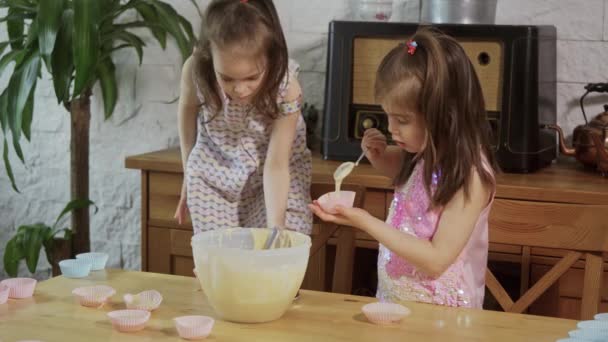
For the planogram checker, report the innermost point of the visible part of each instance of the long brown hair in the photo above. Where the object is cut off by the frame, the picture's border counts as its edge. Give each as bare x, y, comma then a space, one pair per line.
438, 83
253, 25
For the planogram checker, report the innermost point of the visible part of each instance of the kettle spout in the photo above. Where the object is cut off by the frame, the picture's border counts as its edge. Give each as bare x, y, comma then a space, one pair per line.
565, 150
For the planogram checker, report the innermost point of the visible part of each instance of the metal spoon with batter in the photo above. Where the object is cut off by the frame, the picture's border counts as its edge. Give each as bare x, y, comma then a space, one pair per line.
344, 170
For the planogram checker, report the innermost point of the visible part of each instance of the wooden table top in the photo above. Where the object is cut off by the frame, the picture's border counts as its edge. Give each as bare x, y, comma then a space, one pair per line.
53, 315
562, 182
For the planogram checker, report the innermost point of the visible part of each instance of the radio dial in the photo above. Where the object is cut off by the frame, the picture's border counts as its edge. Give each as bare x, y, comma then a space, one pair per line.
368, 123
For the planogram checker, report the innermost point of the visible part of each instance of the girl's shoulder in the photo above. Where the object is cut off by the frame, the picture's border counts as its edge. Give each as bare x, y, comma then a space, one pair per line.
290, 92
188, 82
290, 78
189, 78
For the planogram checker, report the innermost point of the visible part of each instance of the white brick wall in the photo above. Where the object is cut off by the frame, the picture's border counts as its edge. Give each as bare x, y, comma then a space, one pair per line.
144, 121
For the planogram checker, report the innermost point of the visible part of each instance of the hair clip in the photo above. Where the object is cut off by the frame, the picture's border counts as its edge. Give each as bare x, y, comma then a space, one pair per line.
411, 46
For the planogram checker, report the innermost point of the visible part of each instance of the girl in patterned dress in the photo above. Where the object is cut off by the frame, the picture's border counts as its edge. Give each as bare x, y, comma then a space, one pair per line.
242, 138
434, 243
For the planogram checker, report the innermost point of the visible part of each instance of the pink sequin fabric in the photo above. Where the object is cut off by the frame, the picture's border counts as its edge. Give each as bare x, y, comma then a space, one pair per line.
462, 284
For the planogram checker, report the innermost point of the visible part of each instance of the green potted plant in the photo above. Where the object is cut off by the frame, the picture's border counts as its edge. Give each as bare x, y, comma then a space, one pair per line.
74, 40
30, 239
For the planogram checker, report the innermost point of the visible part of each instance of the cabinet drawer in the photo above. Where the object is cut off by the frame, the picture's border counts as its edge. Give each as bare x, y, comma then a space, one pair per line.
164, 191
169, 251
551, 225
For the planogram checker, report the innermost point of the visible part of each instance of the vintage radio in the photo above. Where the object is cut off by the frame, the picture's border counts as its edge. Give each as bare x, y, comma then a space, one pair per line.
516, 66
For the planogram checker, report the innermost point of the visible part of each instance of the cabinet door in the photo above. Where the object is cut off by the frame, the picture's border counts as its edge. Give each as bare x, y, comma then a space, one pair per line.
164, 193
169, 251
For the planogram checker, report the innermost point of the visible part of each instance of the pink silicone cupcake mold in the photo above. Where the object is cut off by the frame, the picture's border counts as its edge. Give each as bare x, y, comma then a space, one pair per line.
93, 296
330, 200
194, 327
129, 320
4, 291
20, 287
385, 313
146, 300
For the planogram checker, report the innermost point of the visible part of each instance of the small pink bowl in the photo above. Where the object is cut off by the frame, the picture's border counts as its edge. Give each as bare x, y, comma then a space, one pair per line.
93, 296
4, 291
194, 327
20, 287
385, 313
330, 200
129, 320
146, 300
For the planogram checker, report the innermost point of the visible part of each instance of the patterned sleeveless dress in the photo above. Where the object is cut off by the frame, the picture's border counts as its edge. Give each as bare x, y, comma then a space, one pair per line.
462, 284
224, 168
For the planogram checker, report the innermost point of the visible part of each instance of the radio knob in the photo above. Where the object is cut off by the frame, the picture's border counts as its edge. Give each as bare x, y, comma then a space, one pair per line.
368, 123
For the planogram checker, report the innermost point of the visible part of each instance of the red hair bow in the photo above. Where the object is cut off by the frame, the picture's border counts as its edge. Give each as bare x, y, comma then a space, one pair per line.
411, 47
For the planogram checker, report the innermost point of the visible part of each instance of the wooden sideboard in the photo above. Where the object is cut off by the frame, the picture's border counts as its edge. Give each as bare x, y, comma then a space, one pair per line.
561, 195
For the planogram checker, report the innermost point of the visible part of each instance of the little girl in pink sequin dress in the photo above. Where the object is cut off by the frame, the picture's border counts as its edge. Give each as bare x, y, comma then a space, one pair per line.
434, 243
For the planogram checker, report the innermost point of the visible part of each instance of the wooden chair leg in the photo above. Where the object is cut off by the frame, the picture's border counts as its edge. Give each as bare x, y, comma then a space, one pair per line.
525, 270
320, 240
345, 255
545, 282
502, 297
535, 291
315, 273
592, 285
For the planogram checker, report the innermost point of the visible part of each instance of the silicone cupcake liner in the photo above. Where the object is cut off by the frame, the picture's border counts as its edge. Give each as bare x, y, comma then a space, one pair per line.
146, 300
591, 335
4, 291
194, 327
20, 287
593, 324
330, 200
601, 316
385, 313
75, 268
93, 296
98, 260
129, 320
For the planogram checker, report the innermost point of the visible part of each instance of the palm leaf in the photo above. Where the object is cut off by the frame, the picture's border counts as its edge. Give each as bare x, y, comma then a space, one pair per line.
3, 112
75, 204
20, 86
7, 166
3, 46
198, 9
149, 15
15, 27
13, 56
12, 255
187, 28
32, 243
85, 45
28, 115
49, 21
167, 18
31, 38
62, 57
131, 39
106, 72
24, 5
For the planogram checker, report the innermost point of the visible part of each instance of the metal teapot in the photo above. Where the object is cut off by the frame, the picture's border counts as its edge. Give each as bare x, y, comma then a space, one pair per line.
589, 141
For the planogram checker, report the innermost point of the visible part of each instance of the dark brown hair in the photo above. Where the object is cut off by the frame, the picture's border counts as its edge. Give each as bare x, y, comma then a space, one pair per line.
438, 83
252, 25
